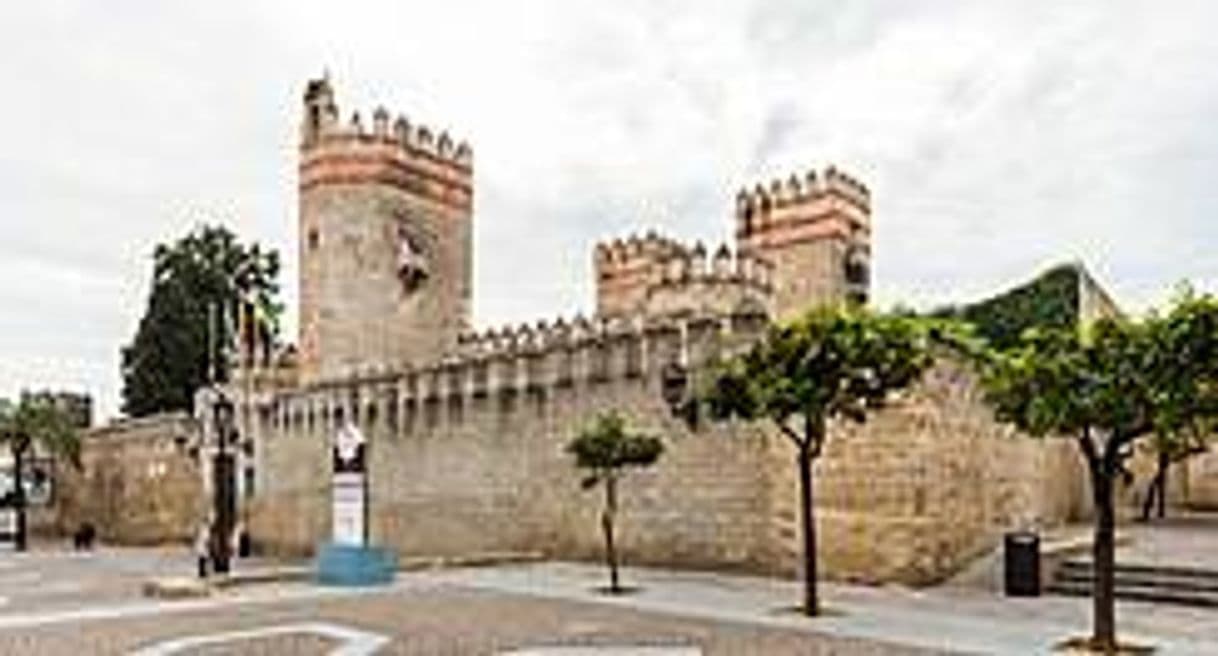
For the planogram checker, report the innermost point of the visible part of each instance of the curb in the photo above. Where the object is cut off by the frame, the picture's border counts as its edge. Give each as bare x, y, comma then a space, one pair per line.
191, 588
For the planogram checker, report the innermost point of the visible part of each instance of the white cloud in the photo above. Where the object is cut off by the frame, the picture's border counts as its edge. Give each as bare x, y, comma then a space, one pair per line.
997, 138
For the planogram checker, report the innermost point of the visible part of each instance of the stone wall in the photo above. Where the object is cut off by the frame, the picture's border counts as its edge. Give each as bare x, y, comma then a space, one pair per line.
932, 481
1196, 482
139, 483
462, 464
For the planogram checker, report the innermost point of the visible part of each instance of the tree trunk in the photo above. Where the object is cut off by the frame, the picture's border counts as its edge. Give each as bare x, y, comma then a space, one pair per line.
811, 605
607, 526
19, 540
1156, 492
1164, 466
1148, 503
1103, 564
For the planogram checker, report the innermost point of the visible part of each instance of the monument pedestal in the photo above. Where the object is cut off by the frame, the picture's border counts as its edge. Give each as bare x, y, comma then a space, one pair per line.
348, 559
354, 565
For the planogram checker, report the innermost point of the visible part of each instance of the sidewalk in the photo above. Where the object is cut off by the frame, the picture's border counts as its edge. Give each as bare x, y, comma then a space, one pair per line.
952, 620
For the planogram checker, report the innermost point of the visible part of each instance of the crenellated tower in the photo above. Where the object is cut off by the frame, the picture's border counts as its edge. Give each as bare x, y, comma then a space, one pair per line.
624, 268
816, 232
386, 213
657, 276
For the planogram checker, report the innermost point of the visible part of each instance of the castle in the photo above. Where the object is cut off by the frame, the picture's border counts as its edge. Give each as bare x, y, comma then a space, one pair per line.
386, 218
467, 429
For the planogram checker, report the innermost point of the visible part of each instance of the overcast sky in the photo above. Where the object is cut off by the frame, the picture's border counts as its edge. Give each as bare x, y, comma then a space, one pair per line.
997, 139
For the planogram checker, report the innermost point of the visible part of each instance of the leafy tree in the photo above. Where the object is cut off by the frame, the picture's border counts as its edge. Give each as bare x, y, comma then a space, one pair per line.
197, 281
1185, 387
829, 364
606, 448
1097, 389
35, 424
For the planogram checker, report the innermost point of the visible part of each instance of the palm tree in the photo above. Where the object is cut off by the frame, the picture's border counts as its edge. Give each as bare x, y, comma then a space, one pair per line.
35, 424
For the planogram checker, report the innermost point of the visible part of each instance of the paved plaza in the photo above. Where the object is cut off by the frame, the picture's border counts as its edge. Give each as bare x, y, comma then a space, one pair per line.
440, 612
57, 602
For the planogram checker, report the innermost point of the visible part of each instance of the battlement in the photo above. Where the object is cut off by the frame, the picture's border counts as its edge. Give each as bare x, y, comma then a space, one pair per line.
507, 363
620, 254
625, 267
694, 283
541, 335
795, 190
417, 140
693, 265
802, 200
395, 152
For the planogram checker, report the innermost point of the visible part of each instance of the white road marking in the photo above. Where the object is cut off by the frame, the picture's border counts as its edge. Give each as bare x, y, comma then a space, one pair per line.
353, 641
114, 611
605, 650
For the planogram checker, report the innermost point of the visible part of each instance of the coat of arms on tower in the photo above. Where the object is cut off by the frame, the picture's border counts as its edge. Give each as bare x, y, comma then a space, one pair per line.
412, 265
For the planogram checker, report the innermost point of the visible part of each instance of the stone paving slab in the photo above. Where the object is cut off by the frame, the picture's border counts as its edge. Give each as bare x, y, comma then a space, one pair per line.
417, 617
39, 589
955, 620
49, 577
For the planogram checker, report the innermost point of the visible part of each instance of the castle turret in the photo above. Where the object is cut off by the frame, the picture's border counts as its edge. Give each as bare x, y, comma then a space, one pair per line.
624, 269
657, 276
816, 232
386, 215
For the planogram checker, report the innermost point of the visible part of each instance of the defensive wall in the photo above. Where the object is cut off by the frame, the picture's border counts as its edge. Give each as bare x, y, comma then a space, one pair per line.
469, 455
139, 483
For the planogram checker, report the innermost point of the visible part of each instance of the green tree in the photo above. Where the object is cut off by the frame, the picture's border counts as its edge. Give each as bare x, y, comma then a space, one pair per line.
35, 424
829, 364
1185, 383
197, 282
606, 449
1098, 389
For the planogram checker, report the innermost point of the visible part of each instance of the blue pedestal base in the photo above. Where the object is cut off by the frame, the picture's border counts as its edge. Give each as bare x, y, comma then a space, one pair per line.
348, 565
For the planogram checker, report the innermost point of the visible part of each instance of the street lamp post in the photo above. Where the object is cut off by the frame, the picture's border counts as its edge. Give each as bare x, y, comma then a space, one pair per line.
222, 483
19, 444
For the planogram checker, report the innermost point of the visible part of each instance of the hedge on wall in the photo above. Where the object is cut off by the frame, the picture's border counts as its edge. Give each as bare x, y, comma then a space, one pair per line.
1050, 300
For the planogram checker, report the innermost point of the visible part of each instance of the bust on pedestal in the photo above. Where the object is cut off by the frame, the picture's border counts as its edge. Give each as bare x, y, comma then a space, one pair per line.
348, 559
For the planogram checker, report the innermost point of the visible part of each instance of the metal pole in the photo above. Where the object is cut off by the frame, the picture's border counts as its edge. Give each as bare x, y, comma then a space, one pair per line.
367, 497
222, 478
19, 492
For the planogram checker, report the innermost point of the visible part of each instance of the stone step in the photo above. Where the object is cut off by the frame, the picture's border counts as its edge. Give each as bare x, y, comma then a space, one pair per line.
1139, 593
1147, 580
1167, 584
1158, 571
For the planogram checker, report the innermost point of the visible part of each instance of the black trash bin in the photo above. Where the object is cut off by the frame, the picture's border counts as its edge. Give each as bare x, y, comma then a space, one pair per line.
1021, 560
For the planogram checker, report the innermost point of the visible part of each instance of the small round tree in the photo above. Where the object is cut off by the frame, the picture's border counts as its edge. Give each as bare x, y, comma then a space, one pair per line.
605, 449
832, 363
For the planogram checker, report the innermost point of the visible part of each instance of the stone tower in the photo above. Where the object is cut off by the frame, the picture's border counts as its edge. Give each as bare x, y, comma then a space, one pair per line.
386, 213
816, 233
